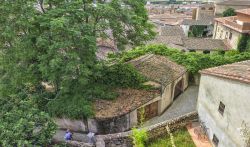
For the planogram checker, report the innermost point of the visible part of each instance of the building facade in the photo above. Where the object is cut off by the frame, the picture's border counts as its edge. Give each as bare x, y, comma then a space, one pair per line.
223, 103
232, 28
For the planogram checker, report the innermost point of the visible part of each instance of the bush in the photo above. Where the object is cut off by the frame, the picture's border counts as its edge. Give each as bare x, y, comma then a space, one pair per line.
139, 137
22, 124
192, 61
229, 12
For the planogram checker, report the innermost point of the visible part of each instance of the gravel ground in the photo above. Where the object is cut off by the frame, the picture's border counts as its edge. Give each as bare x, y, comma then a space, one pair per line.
184, 104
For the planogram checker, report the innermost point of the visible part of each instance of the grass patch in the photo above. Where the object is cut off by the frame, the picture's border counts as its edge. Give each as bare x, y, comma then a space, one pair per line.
181, 139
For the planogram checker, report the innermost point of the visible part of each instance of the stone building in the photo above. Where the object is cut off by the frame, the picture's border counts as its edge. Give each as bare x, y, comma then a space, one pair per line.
222, 5
232, 28
205, 11
223, 103
167, 79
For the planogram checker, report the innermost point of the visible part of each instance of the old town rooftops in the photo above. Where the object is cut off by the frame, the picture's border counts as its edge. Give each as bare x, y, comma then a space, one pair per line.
158, 68
239, 71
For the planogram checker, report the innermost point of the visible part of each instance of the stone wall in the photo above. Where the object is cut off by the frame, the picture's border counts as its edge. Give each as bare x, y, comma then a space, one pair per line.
154, 131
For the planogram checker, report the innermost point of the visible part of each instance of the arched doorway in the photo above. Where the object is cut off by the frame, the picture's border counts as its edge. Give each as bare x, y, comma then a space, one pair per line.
178, 89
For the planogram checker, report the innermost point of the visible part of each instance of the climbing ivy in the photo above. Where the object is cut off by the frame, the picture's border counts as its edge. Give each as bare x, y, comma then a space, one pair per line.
192, 61
244, 43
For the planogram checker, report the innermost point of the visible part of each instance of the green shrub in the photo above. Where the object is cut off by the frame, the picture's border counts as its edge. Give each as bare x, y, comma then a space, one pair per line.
139, 137
229, 12
191, 60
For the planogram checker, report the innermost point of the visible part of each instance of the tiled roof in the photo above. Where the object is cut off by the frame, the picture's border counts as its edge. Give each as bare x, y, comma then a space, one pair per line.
127, 101
239, 71
235, 3
202, 22
167, 40
172, 31
204, 44
244, 11
158, 68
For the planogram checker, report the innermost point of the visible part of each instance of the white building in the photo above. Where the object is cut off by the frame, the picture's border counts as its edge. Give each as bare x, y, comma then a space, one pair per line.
223, 103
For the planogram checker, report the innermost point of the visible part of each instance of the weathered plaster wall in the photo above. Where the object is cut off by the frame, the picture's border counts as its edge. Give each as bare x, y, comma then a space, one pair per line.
168, 93
235, 96
222, 32
185, 29
73, 125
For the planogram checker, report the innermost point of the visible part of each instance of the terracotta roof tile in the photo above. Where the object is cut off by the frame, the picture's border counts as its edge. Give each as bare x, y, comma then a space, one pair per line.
127, 101
158, 68
244, 11
239, 71
204, 44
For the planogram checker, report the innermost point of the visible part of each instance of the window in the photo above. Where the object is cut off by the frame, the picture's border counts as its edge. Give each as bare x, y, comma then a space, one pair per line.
230, 36
211, 8
206, 52
215, 140
203, 8
192, 51
226, 35
221, 108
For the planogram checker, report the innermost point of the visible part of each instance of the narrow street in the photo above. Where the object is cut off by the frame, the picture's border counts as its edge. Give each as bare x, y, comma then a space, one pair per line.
184, 104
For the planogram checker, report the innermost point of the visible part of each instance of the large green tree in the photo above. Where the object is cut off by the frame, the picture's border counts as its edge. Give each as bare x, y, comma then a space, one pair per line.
54, 42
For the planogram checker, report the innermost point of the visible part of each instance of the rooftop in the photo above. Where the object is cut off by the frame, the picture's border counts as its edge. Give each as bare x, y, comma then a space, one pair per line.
158, 68
127, 101
231, 22
235, 3
204, 44
166, 40
239, 71
202, 22
172, 31
244, 11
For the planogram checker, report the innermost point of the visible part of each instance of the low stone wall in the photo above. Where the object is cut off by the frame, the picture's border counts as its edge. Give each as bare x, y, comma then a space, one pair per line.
105, 126
154, 131
73, 125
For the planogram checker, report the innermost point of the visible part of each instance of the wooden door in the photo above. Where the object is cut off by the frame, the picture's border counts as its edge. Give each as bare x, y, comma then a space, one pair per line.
178, 89
150, 111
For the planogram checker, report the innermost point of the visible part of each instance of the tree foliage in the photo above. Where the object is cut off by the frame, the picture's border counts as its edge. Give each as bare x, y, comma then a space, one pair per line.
55, 42
229, 12
23, 125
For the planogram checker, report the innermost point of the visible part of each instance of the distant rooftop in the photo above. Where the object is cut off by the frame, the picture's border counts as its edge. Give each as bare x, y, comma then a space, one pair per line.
167, 40
244, 11
172, 31
234, 3
204, 44
239, 71
192, 22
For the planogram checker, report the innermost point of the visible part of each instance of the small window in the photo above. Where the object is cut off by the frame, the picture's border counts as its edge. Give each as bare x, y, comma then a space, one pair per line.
215, 140
206, 52
203, 8
221, 108
211, 8
192, 51
226, 35
230, 36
